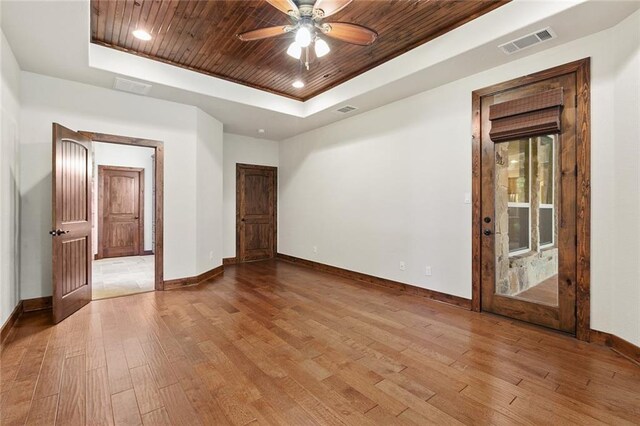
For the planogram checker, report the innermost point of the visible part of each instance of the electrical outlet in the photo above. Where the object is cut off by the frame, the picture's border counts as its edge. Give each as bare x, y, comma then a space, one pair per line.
315, 249
427, 271
467, 198
210, 255
403, 266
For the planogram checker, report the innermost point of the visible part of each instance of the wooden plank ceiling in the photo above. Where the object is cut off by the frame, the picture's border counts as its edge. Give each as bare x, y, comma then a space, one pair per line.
201, 36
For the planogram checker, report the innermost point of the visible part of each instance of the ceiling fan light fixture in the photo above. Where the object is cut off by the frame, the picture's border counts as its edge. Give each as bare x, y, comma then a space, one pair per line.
294, 50
298, 84
321, 48
142, 35
303, 36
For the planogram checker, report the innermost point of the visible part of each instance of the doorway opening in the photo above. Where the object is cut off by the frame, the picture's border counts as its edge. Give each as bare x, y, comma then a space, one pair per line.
122, 227
73, 222
531, 199
128, 215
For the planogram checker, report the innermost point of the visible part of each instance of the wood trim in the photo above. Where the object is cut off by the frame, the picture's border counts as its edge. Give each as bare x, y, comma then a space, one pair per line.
10, 322
275, 209
194, 280
27, 305
37, 304
158, 146
617, 344
476, 205
583, 147
229, 260
583, 222
383, 282
101, 170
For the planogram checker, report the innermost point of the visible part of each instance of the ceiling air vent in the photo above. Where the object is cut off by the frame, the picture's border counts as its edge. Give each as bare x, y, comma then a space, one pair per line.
131, 86
346, 109
527, 41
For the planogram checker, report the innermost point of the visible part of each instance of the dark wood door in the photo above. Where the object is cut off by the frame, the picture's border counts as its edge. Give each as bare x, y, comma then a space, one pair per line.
256, 192
120, 211
71, 232
528, 208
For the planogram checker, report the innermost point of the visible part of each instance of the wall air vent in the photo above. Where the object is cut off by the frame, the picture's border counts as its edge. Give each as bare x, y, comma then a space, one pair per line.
346, 109
527, 41
131, 86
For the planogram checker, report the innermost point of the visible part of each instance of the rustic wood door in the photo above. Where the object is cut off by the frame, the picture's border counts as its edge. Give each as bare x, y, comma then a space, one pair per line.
528, 204
256, 193
71, 231
120, 211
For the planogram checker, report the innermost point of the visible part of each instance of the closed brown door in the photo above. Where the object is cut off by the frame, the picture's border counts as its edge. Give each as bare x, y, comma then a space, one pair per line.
71, 222
528, 202
120, 210
256, 189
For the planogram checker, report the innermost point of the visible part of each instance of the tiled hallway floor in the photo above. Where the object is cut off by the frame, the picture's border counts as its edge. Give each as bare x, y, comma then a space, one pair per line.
118, 276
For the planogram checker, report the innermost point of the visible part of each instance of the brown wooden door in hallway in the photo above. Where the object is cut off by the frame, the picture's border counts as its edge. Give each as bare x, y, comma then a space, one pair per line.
256, 194
71, 231
531, 155
120, 211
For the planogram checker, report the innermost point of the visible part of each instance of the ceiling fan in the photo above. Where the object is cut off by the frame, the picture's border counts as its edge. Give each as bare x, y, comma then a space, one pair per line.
308, 25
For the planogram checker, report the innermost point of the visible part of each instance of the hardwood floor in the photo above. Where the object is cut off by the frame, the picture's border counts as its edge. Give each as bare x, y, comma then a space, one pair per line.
275, 343
546, 292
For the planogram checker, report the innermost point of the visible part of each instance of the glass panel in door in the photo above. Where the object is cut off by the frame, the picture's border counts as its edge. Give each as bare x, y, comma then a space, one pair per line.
526, 191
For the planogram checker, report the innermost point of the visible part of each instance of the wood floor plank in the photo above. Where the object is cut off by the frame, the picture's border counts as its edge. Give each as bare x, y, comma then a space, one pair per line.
125, 409
157, 417
99, 409
43, 411
119, 377
178, 406
145, 389
275, 343
71, 403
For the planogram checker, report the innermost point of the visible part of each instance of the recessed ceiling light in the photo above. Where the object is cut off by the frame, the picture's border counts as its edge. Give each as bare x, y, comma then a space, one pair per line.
298, 84
142, 35
261, 131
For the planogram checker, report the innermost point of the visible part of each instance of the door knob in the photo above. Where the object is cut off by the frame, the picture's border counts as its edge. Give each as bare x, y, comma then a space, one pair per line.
57, 232
242, 220
487, 232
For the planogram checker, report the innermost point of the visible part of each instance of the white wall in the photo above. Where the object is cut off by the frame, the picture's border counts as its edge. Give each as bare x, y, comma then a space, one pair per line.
625, 274
109, 154
246, 150
83, 107
388, 185
208, 193
9, 181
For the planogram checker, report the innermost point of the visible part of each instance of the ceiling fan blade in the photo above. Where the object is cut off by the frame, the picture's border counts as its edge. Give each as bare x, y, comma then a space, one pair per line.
261, 33
331, 7
284, 6
351, 33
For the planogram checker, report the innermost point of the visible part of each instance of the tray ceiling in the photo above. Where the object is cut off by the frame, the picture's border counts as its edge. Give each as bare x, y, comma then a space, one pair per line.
201, 36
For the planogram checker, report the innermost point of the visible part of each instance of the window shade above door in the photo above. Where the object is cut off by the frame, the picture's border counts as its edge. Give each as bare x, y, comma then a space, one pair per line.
533, 115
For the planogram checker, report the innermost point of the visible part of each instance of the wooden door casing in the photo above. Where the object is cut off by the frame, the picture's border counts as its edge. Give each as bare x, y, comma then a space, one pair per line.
120, 211
158, 192
256, 212
572, 313
71, 211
